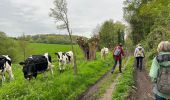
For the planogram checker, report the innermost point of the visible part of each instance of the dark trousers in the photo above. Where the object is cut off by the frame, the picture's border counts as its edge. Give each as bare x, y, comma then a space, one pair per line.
139, 62
120, 65
160, 98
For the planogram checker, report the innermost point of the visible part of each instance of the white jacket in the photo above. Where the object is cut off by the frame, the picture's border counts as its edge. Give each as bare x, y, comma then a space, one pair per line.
137, 50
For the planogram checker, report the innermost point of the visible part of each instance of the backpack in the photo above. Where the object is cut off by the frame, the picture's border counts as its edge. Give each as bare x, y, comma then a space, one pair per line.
140, 52
163, 78
117, 52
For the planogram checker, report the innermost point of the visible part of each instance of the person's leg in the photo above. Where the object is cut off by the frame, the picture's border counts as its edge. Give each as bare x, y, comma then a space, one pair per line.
141, 62
137, 64
159, 98
114, 66
120, 65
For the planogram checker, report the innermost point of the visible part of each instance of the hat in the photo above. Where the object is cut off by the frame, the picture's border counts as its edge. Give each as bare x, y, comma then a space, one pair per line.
139, 44
120, 44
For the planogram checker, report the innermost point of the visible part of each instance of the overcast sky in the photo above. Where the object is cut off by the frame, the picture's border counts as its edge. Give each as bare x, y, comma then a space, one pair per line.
32, 16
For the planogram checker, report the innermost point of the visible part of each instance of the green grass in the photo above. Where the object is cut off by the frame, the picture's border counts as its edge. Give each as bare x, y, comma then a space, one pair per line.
125, 82
60, 86
40, 48
107, 82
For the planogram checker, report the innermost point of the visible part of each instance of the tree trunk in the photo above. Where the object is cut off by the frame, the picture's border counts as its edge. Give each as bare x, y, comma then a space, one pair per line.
74, 54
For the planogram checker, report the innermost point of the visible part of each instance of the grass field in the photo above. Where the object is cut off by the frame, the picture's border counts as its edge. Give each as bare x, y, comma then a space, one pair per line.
40, 48
60, 86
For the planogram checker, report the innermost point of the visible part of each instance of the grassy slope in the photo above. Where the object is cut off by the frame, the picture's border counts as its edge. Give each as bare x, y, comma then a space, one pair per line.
59, 86
125, 82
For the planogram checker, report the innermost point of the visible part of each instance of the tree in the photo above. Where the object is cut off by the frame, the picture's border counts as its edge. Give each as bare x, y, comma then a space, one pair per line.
95, 31
23, 46
9, 46
111, 33
59, 13
146, 16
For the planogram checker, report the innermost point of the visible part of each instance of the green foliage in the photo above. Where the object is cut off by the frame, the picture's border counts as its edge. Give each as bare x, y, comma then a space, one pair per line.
111, 33
124, 83
8, 47
150, 21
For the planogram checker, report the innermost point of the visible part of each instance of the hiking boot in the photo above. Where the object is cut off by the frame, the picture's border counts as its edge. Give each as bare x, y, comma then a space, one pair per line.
112, 71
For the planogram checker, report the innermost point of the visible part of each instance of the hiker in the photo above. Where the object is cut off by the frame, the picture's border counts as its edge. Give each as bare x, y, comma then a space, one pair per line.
117, 55
160, 72
139, 55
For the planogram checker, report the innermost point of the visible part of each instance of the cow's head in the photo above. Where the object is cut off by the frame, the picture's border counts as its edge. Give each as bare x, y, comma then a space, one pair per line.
60, 56
5, 61
28, 68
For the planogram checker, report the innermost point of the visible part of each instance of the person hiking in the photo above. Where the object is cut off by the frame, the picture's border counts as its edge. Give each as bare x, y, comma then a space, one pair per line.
117, 55
139, 55
160, 72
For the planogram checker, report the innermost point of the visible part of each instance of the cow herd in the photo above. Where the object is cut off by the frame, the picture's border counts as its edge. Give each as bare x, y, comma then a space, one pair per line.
36, 64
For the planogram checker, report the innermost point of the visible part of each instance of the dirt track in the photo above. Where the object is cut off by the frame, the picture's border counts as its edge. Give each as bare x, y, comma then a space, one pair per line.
143, 89
88, 94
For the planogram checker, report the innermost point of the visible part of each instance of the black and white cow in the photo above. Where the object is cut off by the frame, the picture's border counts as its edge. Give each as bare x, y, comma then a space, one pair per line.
36, 64
64, 58
6, 66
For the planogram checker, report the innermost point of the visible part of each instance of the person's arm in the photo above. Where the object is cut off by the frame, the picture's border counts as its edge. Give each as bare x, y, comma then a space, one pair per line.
122, 52
143, 52
135, 52
154, 69
113, 51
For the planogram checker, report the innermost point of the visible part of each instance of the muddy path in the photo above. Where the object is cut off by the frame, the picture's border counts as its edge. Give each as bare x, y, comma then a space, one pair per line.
88, 94
143, 87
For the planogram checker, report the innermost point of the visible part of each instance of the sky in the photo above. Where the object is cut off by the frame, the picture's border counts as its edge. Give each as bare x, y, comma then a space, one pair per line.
32, 16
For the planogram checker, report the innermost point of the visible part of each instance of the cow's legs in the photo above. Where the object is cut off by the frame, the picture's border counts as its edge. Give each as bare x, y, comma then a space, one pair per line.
9, 70
52, 69
50, 66
3, 77
44, 73
60, 68
64, 67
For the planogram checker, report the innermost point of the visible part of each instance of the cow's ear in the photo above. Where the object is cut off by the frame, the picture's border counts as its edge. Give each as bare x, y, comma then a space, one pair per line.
63, 53
57, 55
22, 63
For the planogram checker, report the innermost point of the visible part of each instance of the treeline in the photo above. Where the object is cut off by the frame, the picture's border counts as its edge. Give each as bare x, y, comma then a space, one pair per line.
11, 47
111, 33
49, 38
149, 21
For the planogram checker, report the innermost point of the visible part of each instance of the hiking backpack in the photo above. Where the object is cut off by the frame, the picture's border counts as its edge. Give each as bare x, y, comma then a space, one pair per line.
163, 78
117, 52
140, 52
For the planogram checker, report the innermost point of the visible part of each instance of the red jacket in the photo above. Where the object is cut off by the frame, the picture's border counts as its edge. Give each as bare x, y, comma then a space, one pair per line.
118, 57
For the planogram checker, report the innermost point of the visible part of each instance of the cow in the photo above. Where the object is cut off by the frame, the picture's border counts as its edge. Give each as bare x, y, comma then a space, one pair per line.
6, 66
36, 64
64, 58
69, 55
104, 52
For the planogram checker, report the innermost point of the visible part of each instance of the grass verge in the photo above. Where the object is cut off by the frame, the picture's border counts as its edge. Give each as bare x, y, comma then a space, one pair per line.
125, 82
